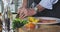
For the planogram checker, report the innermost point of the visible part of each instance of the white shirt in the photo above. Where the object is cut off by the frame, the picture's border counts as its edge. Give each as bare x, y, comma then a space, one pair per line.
48, 3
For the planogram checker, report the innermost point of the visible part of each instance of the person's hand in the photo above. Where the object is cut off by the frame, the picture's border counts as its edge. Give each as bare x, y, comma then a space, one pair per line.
23, 12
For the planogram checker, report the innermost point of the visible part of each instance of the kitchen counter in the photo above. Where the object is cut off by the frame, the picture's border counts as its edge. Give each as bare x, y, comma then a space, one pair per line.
41, 28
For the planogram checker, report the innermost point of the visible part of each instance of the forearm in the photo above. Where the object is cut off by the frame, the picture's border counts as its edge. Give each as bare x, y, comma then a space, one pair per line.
33, 11
24, 3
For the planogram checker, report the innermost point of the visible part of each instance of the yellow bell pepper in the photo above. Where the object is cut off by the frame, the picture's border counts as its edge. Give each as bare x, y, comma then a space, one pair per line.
33, 20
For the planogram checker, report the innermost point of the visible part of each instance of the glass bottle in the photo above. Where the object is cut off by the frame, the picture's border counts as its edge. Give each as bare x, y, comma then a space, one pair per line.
0, 22
7, 19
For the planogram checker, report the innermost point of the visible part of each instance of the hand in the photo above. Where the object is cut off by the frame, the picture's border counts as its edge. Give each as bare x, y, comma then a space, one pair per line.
23, 12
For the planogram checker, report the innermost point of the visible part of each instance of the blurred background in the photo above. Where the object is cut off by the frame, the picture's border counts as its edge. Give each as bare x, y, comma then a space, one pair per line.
15, 4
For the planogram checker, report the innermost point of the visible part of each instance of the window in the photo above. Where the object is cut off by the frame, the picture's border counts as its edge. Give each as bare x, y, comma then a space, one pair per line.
15, 4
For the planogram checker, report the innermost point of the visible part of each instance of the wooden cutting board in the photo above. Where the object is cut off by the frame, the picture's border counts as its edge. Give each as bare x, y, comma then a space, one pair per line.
43, 28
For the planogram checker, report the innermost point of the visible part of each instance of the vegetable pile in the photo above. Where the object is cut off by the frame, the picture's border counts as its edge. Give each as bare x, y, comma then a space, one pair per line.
18, 23
30, 22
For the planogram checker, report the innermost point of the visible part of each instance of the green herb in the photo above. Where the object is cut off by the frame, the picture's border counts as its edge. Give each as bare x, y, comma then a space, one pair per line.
18, 23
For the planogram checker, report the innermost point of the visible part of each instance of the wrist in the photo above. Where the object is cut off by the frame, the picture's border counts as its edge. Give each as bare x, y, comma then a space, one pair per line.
35, 9
24, 5
31, 12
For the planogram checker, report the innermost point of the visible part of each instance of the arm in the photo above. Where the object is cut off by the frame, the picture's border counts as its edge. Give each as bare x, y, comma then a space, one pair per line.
48, 4
24, 3
43, 5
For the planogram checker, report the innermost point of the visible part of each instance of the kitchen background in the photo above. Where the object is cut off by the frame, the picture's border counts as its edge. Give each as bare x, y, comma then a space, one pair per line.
15, 4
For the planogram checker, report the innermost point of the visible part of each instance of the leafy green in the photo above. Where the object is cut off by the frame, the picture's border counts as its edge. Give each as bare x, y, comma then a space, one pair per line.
18, 23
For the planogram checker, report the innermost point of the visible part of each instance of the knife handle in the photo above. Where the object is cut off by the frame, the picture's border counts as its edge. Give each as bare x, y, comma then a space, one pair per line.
17, 16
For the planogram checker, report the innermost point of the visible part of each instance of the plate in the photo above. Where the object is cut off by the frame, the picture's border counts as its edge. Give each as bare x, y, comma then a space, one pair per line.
49, 18
48, 23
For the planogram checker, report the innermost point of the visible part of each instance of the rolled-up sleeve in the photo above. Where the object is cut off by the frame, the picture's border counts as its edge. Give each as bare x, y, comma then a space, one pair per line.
48, 3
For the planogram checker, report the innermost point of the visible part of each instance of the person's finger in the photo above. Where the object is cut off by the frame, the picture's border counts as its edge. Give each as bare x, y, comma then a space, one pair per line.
24, 16
22, 11
25, 13
21, 16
